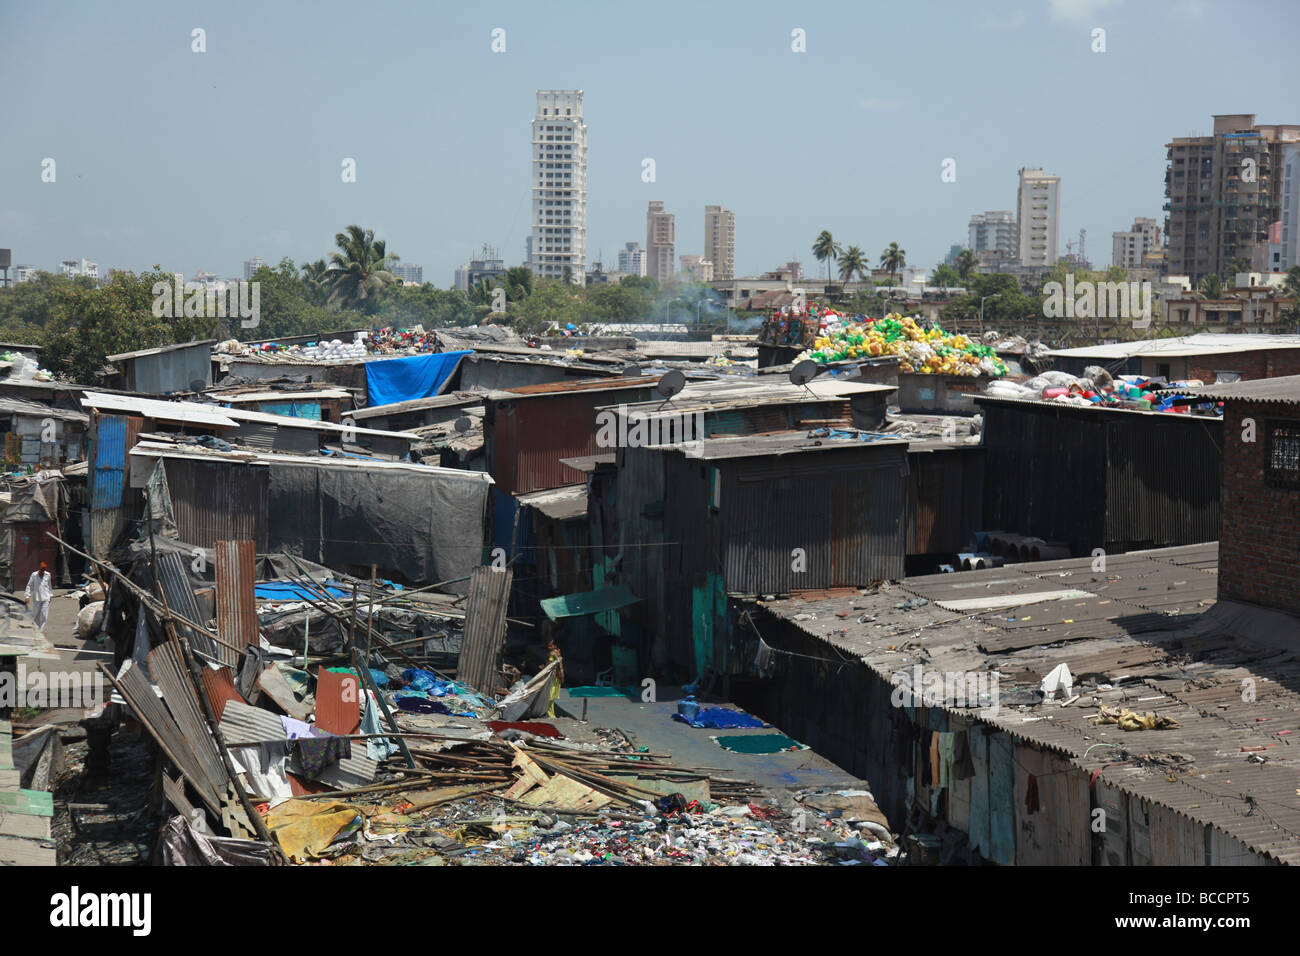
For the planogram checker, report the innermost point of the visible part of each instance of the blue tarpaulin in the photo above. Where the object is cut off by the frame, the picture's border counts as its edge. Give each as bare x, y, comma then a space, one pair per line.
288, 591
404, 379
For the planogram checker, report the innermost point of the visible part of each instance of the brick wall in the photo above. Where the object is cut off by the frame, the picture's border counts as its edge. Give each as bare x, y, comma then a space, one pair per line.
1259, 548
1265, 363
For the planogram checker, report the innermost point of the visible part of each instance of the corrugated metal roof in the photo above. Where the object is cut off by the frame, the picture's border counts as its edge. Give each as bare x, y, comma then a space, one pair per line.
193, 413
1209, 343
547, 389
754, 446
588, 602
205, 344
560, 504
1283, 390
481, 647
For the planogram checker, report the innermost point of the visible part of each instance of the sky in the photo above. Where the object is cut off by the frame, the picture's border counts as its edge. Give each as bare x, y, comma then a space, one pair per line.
198, 161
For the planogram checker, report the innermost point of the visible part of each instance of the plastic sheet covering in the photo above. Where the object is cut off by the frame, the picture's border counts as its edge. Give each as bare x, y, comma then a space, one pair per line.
179, 844
425, 527
403, 379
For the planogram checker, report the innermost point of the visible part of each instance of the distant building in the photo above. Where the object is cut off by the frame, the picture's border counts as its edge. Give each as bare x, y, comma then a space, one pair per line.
698, 268
251, 266
1289, 234
1038, 213
632, 259
24, 273
408, 273
1128, 248
795, 268
79, 267
1222, 193
559, 146
953, 252
720, 240
995, 234
488, 265
660, 242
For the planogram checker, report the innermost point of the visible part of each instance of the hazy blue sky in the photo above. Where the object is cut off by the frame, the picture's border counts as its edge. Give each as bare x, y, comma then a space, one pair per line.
199, 161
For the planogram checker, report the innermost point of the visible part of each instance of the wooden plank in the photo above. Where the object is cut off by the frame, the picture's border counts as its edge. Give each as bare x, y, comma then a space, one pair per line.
35, 802
24, 825
10, 779
19, 851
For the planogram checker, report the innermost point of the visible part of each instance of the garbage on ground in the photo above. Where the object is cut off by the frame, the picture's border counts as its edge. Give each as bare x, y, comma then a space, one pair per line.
1132, 720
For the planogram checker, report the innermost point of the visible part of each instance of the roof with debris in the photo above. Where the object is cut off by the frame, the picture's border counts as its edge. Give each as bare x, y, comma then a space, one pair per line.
1144, 633
1205, 343
1284, 390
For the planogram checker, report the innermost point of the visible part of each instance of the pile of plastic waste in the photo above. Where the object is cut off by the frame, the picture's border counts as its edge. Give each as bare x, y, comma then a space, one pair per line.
335, 350
1096, 387
930, 352
21, 367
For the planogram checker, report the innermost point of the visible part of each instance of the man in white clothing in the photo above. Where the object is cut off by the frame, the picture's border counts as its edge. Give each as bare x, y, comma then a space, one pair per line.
39, 591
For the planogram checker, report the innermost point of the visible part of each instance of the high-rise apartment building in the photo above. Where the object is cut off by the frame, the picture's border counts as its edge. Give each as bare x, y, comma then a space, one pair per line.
1128, 248
79, 267
1222, 192
409, 273
994, 238
698, 268
1289, 239
720, 241
1038, 214
631, 259
251, 266
558, 244
660, 242
488, 265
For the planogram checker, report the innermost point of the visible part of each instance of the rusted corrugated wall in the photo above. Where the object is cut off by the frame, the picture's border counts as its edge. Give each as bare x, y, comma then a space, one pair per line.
526, 439
236, 603
479, 664
945, 492
111, 505
218, 501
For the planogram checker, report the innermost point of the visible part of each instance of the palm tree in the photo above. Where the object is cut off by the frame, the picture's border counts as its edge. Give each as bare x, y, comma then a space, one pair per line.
965, 263
481, 292
853, 260
826, 250
361, 271
1211, 285
518, 282
316, 279
893, 259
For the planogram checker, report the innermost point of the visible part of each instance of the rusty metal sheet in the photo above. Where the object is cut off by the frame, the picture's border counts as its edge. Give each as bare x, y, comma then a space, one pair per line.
219, 686
485, 628
171, 674
338, 708
179, 589
236, 603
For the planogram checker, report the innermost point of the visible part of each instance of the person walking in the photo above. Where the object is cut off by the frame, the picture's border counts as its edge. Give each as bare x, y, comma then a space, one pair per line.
39, 591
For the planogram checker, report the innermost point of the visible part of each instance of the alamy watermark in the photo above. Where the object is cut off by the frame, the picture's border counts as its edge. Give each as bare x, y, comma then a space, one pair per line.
194, 300
624, 428
967, 690
40, 690
1099, 300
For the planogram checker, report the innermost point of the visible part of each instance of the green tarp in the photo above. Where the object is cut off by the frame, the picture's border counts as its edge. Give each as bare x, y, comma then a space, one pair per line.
588, 602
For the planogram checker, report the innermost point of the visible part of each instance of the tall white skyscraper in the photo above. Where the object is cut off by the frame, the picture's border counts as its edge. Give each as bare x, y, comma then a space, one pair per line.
631, 259
1038, 214
1290, 237
252, 265
558, 241
720, 241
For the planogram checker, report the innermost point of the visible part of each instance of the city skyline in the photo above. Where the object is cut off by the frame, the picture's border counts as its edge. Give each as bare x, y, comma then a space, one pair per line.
434, 196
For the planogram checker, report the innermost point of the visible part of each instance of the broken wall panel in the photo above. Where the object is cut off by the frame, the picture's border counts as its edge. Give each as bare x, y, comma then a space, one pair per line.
236, 604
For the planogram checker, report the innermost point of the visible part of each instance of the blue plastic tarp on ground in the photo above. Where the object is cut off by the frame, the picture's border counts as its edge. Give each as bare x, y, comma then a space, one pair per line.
404, 379
287, 591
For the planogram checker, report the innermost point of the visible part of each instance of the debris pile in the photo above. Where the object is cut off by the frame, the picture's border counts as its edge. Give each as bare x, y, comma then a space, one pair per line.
930, 352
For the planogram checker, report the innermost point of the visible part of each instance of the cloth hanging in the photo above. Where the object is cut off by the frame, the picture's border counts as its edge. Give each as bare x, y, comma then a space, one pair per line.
315, 754
1031, 796
963, 766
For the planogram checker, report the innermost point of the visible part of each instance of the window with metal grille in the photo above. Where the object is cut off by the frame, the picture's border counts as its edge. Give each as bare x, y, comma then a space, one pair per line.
1283, 468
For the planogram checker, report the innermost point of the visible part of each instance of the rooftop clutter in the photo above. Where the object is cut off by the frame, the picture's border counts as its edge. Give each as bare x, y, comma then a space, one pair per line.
1097, 388
928, 351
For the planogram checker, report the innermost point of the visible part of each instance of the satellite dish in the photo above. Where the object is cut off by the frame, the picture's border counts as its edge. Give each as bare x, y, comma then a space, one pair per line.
631, 371
198, 385
672, 382
804, 372
463, 424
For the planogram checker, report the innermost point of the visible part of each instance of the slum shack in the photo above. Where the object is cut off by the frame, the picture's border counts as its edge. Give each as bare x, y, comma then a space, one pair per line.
1209, 357
163, 370
1092, 477
39, 435
696, 522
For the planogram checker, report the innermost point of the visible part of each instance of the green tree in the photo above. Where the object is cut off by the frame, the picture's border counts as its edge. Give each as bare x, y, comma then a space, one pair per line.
826, 249
316, 281
1211, 286
853, 260
518, 282
893, 259
965, 263
945, 276
361, 270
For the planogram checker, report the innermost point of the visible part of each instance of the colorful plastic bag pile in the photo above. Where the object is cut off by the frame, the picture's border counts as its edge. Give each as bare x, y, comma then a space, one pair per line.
932, 352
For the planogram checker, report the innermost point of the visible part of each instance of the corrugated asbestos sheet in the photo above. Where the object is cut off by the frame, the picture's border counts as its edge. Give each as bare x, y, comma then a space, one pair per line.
179, 590
243, 724
236, 603
218, 501
485, 628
